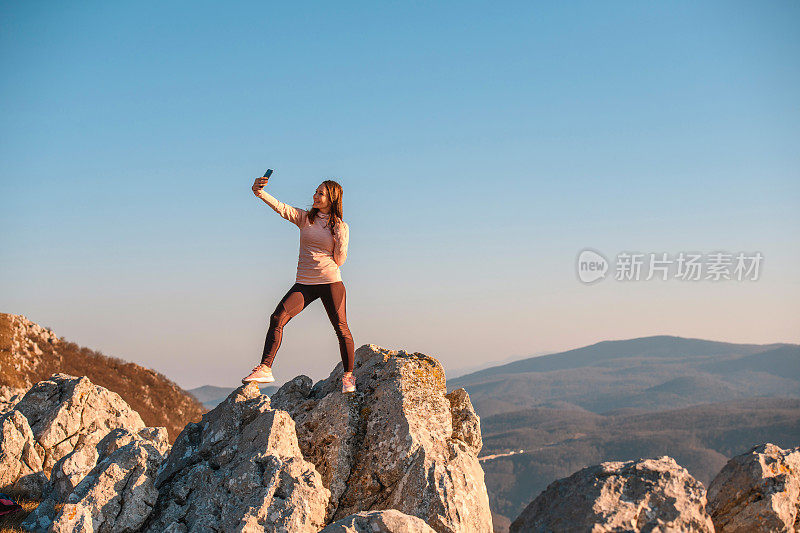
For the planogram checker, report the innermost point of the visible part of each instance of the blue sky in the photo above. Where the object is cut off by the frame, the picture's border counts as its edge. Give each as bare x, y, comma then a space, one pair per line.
480, 146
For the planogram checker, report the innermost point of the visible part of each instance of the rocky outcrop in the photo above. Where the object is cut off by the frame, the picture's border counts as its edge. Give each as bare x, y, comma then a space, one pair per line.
20, 463
400, 442
400, 455
52, 419
389, 521
66, 411
107, 487
757, 491
30, 353
239, 469
645, 495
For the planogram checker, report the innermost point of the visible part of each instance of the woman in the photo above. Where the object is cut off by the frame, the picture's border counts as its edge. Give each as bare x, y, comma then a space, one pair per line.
324, 237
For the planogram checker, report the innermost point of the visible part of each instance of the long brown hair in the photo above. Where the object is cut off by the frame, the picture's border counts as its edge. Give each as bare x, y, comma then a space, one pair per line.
334, 191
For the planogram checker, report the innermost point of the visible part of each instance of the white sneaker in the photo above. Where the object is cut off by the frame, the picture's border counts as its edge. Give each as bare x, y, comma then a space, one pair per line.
260, 374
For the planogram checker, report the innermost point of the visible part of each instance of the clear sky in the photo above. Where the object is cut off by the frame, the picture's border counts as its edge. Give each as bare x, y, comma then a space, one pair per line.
481, 146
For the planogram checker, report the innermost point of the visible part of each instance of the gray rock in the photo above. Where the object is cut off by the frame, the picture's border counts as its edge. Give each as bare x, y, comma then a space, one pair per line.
644, 495
757, 491
71, 470
117, 438
73, 467
66, 410
399, 442
326, 430
388, 521
20, 463
41, 518
239, 469
116, 496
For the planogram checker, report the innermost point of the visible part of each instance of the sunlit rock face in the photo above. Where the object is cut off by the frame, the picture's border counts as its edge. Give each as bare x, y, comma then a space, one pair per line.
239, 469
399, 442
757, 491
644, 495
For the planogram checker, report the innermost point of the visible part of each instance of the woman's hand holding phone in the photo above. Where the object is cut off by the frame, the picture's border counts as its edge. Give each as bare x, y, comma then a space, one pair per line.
261, 182
259, 185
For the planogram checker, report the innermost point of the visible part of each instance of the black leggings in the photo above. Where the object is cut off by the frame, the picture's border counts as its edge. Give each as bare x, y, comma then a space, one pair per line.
297, 299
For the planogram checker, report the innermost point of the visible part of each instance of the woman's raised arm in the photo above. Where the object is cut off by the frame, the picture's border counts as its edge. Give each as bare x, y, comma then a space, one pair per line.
292, 214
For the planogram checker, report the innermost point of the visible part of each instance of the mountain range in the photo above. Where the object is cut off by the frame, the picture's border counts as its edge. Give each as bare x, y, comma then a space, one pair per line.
699, 401
648, 373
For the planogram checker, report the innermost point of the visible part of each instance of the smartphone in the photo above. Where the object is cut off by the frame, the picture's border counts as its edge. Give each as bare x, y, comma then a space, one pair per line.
268, 173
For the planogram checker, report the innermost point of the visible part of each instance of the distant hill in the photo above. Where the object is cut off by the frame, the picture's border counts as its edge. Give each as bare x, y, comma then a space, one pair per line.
211, 396
31, 353
663, 347
782, 362
650, 373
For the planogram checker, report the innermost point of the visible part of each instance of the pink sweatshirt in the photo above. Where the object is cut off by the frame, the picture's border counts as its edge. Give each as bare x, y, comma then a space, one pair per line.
320, 253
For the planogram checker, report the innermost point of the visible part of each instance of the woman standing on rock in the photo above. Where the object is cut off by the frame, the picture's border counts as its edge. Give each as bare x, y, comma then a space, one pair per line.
324, 237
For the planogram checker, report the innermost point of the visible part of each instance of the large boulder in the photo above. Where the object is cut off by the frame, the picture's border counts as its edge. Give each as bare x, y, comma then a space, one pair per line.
53, 418
388, 521
239, 469
104, 488
644, 495
399, 442
20, 463
757, 491
65, 411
